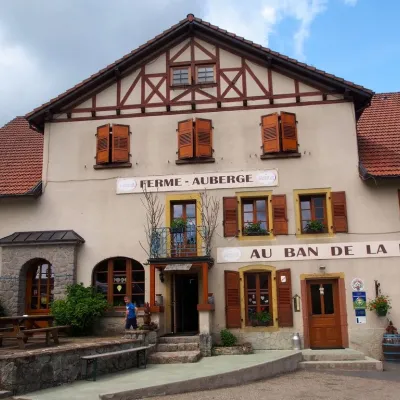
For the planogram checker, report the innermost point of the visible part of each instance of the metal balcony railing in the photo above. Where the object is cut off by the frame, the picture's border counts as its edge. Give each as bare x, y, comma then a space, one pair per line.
190, 241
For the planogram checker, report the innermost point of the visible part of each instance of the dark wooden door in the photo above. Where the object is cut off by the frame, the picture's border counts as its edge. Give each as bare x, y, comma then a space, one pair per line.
324, 314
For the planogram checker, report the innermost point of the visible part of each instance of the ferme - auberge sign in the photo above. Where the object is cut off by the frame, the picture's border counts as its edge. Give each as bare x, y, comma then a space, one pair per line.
195, 182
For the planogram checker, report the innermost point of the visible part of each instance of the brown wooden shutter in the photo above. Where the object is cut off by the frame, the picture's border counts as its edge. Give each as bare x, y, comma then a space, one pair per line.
270, 133
203, 135
339, 211
284, 288
232, 299
230, 216
279, 215
120, 140
289, 131
103, 144
185, 139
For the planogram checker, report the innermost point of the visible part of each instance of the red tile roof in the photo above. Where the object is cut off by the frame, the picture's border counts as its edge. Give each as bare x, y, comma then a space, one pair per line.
190, 19
21, 153
379, 137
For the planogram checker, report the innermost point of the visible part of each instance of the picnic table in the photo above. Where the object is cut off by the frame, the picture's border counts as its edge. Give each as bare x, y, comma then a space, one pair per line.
25, 326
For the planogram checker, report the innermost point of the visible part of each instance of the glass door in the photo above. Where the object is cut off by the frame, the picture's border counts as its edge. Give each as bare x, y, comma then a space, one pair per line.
183, 229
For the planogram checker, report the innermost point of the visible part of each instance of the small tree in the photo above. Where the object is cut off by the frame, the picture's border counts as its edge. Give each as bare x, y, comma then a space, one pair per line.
81, 308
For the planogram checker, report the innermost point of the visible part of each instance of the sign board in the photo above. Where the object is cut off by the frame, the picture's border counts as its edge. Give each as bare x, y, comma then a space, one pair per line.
357, 285
178, 267
196, 182
361, 320
325, 251
359, 300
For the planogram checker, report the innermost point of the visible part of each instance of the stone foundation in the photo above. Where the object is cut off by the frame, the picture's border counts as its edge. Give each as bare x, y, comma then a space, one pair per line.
205, 345
29, 371
145, 337
368, 341
17, 259
245, 348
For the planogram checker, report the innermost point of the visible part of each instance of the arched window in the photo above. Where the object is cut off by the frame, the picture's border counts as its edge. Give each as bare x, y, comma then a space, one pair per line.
120, 277
39, 287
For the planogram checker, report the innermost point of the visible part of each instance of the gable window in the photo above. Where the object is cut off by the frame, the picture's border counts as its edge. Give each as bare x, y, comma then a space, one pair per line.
120, 277
258, 299
255, 216
279, 134
205, 74
195, 141
112, 146
313, 214
181, 76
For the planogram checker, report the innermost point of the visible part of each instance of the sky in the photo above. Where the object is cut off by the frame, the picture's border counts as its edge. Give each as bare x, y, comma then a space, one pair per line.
48, 46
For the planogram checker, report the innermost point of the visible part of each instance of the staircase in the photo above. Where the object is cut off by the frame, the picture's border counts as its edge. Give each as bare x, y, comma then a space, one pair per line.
343, 359
176, 350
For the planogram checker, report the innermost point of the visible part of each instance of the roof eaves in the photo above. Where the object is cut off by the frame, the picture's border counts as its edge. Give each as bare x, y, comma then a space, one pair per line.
34, 192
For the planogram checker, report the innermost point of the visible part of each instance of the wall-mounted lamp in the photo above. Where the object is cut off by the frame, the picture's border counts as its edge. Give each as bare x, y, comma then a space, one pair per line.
322, 268
161, 276
296, 303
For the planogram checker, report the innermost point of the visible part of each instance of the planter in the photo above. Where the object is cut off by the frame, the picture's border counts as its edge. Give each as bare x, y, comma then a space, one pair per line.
256, 234
177, 230
381, 313
259, 323
245, 348
391, 347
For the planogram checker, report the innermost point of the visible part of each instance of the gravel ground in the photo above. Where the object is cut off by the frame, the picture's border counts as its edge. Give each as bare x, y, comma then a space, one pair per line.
303, 386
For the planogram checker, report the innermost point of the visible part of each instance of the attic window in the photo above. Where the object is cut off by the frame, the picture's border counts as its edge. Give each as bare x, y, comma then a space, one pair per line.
205, 74
180, 76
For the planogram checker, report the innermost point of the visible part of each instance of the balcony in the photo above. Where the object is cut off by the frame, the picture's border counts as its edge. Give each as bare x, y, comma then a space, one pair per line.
190, 242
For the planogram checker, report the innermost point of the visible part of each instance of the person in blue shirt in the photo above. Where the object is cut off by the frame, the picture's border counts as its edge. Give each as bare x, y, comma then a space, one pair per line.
130, 314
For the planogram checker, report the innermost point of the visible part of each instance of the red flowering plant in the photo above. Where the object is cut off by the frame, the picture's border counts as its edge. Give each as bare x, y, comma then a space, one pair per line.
381, 305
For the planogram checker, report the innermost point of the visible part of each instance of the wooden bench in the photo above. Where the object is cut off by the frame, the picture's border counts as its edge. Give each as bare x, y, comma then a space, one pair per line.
92, 360
53, 330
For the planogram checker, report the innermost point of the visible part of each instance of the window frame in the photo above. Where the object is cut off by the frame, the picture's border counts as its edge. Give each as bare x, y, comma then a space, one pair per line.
253, 200
297, 194
311, 198
258, 296
212, 66
30, 277
129, 281
181, 67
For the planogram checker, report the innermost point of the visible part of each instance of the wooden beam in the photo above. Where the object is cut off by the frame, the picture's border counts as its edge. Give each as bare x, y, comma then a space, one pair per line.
152, 285
205, 283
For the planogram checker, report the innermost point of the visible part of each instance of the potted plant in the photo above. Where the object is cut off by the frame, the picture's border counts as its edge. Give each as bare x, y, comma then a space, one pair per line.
254, 229
381, 305
178, 225
315, 226
262, 318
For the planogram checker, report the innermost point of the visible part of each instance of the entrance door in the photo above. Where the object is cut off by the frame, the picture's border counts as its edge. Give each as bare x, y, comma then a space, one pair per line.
183, 229
324, 318
185, 296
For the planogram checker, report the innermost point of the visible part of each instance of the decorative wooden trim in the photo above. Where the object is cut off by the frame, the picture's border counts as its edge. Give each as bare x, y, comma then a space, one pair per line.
231, 84
253, 75
168, 72
143, 86
183, 63
93, 103
279, 155
244, 83
217, 73
297, 90
118, 92
193, 66
155, 89
112, 166
195, 161
181, 51
183, 94
205, 307
134, 83
204, 50
203, 93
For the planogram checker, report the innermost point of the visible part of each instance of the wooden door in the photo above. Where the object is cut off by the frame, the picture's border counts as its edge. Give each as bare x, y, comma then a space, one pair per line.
184, 242
324, 314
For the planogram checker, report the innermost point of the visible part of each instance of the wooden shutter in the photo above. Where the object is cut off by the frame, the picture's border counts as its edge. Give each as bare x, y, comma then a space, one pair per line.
103, 144
232, 299
120, 140
230, 216
284, 288
270, 133
279, 215
289, 131
339, 211
185, 139
203, 135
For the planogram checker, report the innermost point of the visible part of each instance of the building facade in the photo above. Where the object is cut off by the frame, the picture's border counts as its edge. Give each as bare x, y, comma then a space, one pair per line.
216, 180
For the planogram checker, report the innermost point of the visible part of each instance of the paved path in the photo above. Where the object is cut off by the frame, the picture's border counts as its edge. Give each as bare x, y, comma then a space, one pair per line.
154, 375
305, 386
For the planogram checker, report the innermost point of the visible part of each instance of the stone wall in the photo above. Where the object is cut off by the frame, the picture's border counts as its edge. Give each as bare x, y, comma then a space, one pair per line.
40, 369
17, 259
368, 341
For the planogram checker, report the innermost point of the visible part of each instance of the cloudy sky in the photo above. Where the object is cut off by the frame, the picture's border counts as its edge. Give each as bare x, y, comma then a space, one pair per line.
47, 46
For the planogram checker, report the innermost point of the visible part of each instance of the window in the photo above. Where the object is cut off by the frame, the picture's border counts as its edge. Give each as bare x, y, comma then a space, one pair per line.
112, 144
313, 214
205, 74
279, 133
120, 277
40, 287
195, 140
255, 216
258, 299
180, 76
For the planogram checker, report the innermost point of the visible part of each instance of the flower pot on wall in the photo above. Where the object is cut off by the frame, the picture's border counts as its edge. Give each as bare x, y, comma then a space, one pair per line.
381, 313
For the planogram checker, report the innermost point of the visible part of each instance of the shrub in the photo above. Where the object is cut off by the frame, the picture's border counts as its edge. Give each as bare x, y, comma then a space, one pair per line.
228, 339
81, 308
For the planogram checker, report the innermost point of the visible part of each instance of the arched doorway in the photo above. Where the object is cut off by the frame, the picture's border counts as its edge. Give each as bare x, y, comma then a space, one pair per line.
39, 287
119, 277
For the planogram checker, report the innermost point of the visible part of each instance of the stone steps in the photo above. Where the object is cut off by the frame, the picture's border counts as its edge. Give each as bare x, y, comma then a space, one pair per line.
368, 364
179, 339
173, 347
332, 355
4, 394
174, 357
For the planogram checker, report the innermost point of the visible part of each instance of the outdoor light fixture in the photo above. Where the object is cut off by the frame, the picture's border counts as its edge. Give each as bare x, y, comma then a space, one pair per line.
296, 303
161, 276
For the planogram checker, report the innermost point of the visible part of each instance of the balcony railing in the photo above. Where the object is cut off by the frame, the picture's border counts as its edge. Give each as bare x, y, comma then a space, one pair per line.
187, 242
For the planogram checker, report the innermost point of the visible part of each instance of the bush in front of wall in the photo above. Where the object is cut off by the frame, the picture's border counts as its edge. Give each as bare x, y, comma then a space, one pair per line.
228, 339
80, 309
315, 227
